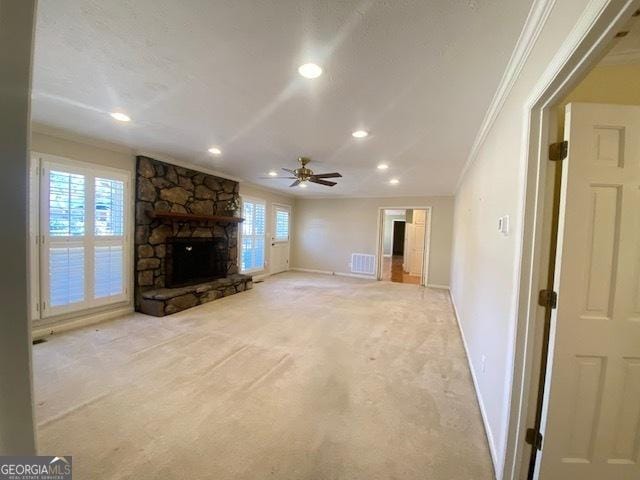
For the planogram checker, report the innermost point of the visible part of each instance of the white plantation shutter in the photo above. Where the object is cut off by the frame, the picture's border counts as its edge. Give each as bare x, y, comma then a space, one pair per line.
253, 234
84, 250
109, 238
66, 275
66, 204
108, 271
109, 207
282, 225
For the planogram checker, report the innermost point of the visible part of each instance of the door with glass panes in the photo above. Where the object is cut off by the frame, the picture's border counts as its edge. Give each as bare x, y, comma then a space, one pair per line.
280, 239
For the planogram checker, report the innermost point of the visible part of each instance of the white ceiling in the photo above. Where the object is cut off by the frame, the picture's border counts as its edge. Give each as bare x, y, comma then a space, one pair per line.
419, 75
625, 50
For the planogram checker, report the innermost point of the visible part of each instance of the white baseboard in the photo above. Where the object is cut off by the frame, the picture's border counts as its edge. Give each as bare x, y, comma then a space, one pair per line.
485, 420
339, 274
434, 285
40, 331
262, 276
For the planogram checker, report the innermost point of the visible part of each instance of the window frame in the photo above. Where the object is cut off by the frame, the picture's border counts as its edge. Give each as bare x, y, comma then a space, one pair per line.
241, 235
42, 164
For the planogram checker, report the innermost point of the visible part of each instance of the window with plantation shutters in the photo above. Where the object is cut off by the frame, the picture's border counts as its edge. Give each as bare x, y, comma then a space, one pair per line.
83, 241
253, 235
281, 224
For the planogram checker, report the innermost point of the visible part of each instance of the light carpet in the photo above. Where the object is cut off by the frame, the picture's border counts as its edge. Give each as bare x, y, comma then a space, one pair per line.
304, 377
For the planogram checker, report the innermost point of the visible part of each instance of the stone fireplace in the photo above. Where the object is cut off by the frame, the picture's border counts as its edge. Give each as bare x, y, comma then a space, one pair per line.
186, 238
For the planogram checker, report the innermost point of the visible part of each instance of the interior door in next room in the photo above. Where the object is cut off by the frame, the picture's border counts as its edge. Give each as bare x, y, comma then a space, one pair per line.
280, 239
416, 234
592, 429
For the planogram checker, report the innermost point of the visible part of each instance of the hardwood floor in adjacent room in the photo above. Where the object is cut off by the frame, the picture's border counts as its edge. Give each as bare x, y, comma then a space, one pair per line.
305, 377
392, 270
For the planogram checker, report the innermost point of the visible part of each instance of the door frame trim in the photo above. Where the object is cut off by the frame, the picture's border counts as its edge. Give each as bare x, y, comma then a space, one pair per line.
583, 48
274, 206
424, 280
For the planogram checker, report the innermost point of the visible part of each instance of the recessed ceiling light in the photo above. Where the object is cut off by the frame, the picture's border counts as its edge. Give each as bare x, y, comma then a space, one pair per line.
360, 134
121, 117
383, 166
215, 151
394, 181
303, 185
310, 70
273, 173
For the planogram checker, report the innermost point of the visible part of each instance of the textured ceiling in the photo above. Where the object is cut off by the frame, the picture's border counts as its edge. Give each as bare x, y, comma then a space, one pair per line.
419, 75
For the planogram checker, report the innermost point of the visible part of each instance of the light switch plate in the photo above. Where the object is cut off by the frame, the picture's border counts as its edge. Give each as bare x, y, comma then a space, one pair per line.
503, 225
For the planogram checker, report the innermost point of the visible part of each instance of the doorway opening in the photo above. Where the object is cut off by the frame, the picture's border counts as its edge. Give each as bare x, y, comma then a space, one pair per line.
579, 417
403, 248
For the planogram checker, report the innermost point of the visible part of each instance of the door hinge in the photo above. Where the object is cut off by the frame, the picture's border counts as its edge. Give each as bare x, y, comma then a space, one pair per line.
534, 438
558, 151
547, 298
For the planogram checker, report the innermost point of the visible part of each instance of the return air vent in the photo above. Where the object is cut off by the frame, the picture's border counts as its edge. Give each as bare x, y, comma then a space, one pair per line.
363, 263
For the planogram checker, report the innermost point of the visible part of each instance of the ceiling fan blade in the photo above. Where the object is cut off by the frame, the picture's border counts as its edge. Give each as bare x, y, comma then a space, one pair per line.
327, 175
295, 184
289, 170
322, 182
277, 178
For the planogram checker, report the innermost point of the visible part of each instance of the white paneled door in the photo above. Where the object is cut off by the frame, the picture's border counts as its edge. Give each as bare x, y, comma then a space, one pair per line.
280, 241
592, 403
416, 232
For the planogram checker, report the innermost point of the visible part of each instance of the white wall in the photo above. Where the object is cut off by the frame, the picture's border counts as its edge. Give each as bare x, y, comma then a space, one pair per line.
485, 266
43, 141
17, 435
327, 231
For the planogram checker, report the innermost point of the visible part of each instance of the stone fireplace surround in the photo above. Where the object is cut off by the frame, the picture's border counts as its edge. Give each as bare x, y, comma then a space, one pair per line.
162, 187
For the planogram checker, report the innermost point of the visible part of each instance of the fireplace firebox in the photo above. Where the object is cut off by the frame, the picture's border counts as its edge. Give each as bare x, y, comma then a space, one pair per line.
194, 260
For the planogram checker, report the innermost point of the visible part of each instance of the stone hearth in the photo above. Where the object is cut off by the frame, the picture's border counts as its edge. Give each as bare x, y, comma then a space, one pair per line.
162, 187
165, 301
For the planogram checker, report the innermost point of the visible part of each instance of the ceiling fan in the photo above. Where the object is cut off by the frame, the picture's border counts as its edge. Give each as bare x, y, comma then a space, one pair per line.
304, 174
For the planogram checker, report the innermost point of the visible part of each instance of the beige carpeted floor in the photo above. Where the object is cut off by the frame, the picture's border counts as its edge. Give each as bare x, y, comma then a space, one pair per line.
305, 377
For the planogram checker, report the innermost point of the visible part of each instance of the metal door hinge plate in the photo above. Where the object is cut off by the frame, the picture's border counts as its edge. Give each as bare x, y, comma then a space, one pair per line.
533, 438
547, 298
558, 151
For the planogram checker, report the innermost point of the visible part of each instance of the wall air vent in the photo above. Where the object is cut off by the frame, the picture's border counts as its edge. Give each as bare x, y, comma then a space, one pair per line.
363, 264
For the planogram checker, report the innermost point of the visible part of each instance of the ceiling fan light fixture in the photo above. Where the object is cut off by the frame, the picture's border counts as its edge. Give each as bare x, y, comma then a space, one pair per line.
303, 184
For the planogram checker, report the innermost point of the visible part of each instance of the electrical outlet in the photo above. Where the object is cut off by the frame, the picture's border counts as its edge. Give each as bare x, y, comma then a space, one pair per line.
483, 363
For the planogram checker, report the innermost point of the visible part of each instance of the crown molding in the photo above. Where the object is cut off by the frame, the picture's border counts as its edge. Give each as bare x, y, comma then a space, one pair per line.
70, 136
533, 25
